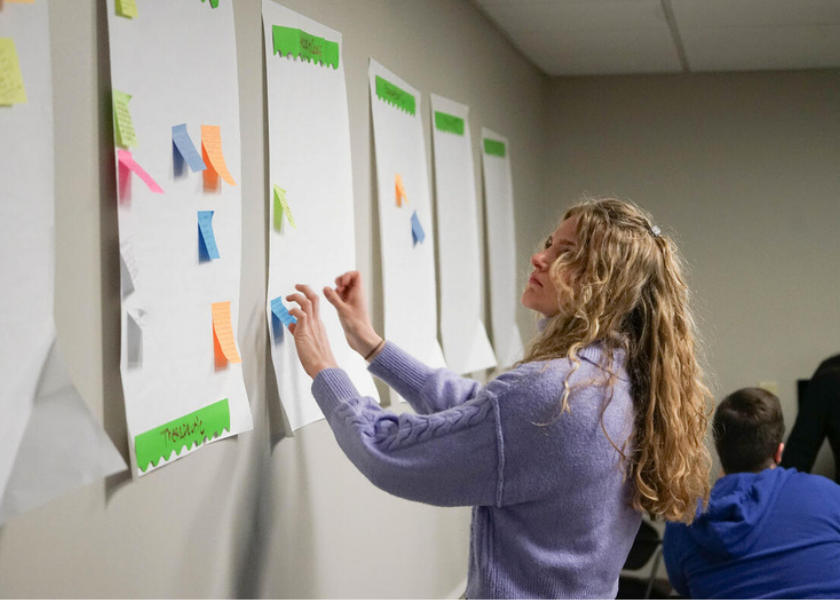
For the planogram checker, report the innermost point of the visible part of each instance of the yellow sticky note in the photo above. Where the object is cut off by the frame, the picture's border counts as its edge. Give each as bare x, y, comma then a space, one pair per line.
127, 8
211, 145
11, 80
223, 332
123, 125
400, 189
281, 208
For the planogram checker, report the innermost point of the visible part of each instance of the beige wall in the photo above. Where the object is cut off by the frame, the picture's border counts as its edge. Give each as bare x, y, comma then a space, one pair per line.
744, 169
259, 515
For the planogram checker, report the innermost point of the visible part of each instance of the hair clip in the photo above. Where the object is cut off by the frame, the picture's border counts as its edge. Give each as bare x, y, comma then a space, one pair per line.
655, 231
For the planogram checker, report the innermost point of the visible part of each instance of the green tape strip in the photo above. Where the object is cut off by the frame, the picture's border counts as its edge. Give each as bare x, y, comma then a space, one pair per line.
297, 42
494, 147
395, 95
204, 424
450, 123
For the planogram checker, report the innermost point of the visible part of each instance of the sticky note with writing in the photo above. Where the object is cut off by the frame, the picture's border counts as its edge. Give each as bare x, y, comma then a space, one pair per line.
279, 310
207, 249
298, 43
211, 145
127, 8
417, 232
281, 209
400, 190
123, 125
223, 332
11, 80
193, 429
128, 166
185, 147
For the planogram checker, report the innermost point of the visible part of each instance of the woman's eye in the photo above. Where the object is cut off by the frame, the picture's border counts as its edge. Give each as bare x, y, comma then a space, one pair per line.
547, 244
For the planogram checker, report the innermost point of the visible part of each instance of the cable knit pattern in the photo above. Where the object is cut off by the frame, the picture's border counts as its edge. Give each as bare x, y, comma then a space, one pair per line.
552, 516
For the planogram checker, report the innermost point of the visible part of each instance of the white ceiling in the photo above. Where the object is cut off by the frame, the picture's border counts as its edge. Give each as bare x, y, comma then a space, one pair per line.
602, 37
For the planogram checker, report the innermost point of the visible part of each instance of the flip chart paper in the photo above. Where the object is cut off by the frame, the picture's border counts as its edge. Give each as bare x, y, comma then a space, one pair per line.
464, 337
179, 60
282, 209
223, 330
12, 90
207, 239
123, 124
408, 270
127, 8
501, 243
211, 143
188, 431
297, 43
50, 442
417, 233
130, 166
400, 190
213, 3
129, 273
185, 147
309, 158
134, 334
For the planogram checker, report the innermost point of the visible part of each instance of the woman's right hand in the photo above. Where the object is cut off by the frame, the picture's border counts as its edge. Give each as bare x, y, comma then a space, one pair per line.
349, 301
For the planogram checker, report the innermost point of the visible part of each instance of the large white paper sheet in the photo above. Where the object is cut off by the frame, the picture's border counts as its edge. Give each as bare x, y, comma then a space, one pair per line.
33, 441
309, 154
501, 243
177, 61
465, 342
408, 268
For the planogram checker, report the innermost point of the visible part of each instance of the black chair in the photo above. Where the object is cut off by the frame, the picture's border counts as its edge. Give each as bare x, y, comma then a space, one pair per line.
646, 547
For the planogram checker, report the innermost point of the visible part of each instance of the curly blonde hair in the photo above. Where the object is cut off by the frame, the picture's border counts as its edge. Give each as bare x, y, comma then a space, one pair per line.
621, 285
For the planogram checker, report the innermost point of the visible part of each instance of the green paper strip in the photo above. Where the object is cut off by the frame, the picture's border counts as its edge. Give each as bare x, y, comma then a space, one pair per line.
395, 95
281, 207
124, 127
450, 123
298, 43
213, 3
204, 424
494, 147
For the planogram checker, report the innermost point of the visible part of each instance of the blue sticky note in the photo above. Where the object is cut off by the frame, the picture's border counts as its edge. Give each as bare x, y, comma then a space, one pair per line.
279, 311
207, 249
417, 233
186, 149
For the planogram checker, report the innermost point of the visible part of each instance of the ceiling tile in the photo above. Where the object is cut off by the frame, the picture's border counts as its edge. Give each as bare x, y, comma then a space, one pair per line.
532, 16
751, 13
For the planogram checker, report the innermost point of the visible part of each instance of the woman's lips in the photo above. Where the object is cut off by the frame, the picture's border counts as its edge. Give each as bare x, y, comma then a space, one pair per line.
535, 281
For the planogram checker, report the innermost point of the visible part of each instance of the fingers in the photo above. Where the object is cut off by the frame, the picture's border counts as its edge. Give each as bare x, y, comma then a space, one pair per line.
333, 298
304, 302
311, 296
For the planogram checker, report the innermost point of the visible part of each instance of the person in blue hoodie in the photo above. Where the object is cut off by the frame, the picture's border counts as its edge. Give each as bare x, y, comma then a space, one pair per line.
768, 532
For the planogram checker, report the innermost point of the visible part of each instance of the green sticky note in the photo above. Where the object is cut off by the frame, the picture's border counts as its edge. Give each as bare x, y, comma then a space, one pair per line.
298, 43
127, 8
281, 209
494, 147
395, 95
450, 123
213, 3
11, 80
159, 443
123, 125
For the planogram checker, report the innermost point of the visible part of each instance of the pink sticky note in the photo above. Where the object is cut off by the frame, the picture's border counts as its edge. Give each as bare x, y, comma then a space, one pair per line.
128, 161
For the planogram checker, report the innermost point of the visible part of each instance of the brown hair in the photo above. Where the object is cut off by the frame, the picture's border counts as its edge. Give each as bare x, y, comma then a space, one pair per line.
622, 286
748, 428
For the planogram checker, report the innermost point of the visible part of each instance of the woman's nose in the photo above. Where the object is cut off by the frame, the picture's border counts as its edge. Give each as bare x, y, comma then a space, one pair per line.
538, 260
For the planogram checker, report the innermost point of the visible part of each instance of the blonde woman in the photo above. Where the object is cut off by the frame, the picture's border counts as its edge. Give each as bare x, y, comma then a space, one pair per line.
602, 420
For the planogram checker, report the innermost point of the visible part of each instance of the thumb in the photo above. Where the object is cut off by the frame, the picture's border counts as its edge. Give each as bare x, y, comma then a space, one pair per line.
334, 299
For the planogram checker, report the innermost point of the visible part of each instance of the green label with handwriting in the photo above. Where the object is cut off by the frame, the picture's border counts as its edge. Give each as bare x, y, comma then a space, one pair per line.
450, 123
494, 147
297, 42
204, 424
395, 95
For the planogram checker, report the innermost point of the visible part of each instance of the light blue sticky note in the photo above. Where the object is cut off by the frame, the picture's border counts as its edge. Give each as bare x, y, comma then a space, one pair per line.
186, 148
280, 311
417, 233
207, 249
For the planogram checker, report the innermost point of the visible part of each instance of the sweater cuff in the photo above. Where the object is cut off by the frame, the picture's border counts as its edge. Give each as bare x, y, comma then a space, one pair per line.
331, 388
397, 368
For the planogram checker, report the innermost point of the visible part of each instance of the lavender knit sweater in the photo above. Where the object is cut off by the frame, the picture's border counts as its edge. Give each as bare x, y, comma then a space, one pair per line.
551, 514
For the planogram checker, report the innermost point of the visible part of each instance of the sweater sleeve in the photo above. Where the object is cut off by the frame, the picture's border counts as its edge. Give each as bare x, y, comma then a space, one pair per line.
427, 390
811, 424
450, 458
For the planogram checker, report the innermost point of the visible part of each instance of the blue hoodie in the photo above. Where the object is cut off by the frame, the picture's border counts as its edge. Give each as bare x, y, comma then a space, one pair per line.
773, 534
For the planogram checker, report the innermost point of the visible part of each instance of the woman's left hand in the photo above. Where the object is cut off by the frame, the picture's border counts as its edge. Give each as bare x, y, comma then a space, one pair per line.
313, 347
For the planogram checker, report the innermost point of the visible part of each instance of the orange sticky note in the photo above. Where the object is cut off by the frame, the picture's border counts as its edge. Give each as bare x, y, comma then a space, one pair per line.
214, 158
401, 197
223, 333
